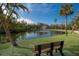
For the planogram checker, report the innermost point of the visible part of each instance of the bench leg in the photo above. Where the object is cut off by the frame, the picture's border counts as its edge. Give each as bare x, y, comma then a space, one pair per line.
56, 50
61, 52
47, 52
38, 54
51, 53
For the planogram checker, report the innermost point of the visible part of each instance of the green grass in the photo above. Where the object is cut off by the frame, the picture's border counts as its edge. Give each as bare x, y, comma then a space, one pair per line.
71, 46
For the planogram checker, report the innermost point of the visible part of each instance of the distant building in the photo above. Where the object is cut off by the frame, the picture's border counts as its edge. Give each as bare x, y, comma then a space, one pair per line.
44, 27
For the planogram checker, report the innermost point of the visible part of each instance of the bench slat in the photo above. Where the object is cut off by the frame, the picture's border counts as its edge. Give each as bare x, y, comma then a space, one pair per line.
43, 46
48, 47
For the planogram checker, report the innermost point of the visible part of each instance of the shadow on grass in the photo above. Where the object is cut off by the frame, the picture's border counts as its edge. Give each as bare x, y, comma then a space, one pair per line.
74, 49
24, 47
67, 52
2, 46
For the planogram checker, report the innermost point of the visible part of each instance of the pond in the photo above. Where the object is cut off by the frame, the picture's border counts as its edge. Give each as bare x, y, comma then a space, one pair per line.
38, 34
31, 35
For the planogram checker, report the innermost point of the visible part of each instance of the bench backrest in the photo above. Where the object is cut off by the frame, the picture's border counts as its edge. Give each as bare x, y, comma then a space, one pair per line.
49, 46
58, 44
42, 47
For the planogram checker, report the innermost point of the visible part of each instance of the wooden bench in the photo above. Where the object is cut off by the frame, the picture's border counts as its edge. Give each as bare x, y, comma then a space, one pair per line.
49, 48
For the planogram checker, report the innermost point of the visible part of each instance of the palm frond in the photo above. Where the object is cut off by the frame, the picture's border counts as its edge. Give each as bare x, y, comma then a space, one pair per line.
15, 13
23, 7
66, 10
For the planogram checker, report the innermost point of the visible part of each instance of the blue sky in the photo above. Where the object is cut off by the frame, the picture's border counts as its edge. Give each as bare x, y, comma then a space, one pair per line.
47, 12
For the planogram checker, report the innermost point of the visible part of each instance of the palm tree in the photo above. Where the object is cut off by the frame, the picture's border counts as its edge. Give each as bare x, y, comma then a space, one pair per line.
66, 10
10, 9
75, 23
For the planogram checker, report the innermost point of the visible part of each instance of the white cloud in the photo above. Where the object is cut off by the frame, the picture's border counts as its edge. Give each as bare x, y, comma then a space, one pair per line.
4, 11
3, 7
28, 21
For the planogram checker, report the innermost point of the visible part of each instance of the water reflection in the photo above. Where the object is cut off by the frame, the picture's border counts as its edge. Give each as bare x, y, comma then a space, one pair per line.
26, 35
37, 35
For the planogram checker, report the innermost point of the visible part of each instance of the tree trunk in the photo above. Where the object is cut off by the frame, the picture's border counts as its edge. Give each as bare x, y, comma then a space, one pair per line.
8, 34
66, 26
5, 25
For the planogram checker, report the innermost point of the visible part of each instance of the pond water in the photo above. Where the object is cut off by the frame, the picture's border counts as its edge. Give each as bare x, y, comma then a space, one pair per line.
32, 35
38, 34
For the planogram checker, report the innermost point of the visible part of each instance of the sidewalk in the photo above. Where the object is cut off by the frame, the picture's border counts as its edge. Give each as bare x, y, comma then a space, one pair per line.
76, 32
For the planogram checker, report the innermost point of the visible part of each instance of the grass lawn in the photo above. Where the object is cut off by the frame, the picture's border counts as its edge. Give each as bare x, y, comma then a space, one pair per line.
71, 46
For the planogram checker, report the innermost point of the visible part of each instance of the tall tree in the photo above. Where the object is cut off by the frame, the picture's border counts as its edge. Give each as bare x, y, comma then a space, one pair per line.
7, 12
66, 10
75, 23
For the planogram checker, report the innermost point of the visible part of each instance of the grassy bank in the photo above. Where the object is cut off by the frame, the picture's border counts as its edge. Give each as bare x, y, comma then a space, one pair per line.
71, 46
61, 30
